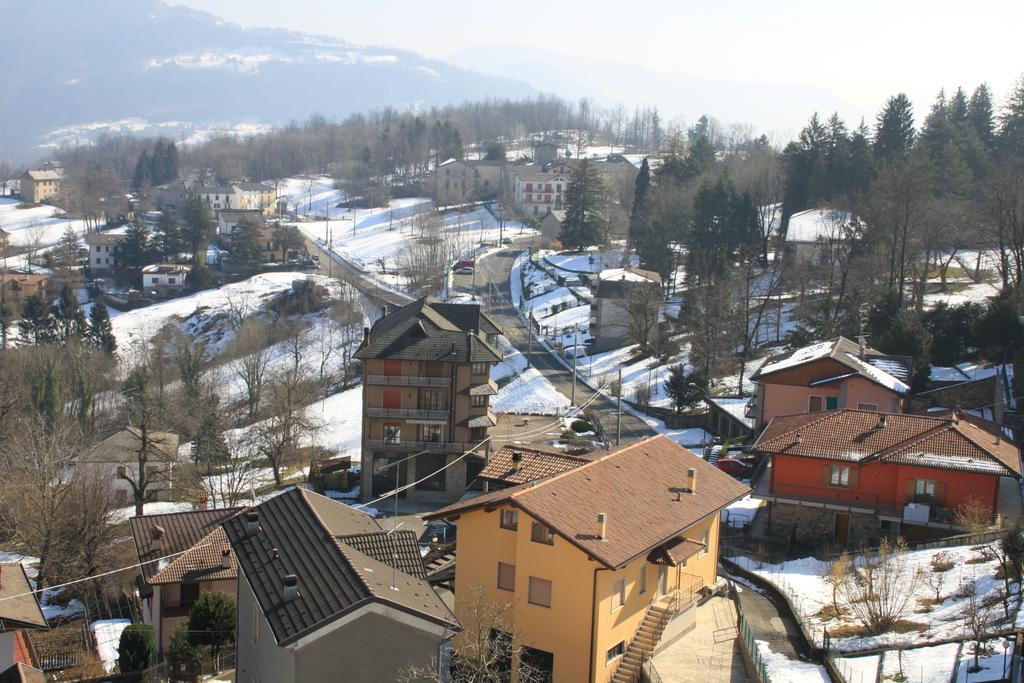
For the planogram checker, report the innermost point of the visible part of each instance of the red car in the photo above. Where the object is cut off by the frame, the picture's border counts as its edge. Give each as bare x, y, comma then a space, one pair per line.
734, 466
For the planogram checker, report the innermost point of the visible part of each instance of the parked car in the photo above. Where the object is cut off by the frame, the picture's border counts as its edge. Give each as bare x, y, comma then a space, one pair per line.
465, 270
507, 240
574, 351
734, 466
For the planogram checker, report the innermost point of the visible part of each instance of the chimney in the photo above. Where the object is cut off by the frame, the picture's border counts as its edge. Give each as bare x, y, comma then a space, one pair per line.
291, 587
517, 461
252, 523
156, 538
225, 558
366, 335
863, 346
882, 421
691, 480
384, 311
799, 438
602, 526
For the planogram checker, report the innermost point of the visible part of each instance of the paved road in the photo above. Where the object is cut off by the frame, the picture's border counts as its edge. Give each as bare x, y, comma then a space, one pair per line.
492, 281
343, 270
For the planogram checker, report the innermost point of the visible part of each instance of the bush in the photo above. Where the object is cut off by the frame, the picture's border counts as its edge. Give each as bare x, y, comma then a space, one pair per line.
181, 651
568, 434
581, 426
212, 621
137, 648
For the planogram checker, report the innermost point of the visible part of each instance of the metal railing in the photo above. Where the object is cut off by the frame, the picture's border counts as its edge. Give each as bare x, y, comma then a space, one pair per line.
408, 413
431, 446
409, 381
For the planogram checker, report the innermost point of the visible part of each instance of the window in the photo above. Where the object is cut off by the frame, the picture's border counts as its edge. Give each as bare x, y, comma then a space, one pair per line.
642, 583
831, 403
392, 434
507, 577
189, 594
540, 533
618, 594
615, 651
431, 400
662, 580
924, 487
430, 433
171, 280
815, 404
478, 401
873, 407
839, 476
479, 368
429, 468
509, 519
540, 592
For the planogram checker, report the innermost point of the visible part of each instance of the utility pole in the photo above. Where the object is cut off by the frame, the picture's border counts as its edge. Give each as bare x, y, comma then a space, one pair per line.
618, 416
529, 332
575, 341
330, 256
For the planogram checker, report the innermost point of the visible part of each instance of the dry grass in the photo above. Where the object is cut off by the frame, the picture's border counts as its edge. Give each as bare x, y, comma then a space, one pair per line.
858, 630
828, 612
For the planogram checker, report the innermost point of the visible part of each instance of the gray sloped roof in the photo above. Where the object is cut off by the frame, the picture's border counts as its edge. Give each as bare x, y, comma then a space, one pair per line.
182, 531
301, 533
431, 331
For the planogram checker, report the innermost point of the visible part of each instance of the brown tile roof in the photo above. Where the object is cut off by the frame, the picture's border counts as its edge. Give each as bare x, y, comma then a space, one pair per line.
201, 562
891, 372
22, 673
300, 533
429, 330
182, 531
856, 436
533, 464
676, 551
641, 488
18, 605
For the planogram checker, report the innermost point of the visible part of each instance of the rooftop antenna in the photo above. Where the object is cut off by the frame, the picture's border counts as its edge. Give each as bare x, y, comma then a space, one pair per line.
862, 335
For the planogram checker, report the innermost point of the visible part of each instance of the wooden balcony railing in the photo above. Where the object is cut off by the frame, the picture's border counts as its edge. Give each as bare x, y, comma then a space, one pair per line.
408, 413
408, 381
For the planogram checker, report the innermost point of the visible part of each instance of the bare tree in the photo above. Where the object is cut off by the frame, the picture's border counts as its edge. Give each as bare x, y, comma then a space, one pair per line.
153, 455
880, 586
978, 621
835, 573
235, 479
251, 358
489, 648
35, 233
340, 333
279, 437
642, 312
308, 183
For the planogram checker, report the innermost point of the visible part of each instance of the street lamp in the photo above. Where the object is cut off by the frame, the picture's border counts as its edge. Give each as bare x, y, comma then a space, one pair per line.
1006, 648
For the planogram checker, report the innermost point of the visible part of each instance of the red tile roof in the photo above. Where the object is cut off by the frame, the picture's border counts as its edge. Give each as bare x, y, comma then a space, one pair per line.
641, 488
859, 436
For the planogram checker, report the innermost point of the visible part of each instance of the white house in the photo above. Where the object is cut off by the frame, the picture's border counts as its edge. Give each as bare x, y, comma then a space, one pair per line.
103, 248
810, 232
117, 457
165, 278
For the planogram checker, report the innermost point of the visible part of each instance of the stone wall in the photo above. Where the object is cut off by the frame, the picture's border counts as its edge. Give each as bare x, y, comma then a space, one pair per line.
814, 526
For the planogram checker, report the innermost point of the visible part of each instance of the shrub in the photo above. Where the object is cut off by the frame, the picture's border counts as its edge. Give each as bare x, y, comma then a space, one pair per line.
137, 648
568, 434
212, 621
581, 426
181, 651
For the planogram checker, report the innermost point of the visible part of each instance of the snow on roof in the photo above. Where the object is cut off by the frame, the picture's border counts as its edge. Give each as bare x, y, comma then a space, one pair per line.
808, 226
736, 407
622, 274
946, 374
878, 375
977, 370
799, 357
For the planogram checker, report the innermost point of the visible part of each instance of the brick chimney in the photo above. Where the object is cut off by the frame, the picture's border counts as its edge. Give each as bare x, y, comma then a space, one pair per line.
156, 538
225, 558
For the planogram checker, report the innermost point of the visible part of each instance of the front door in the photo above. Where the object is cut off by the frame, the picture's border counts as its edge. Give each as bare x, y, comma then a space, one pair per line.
842, 530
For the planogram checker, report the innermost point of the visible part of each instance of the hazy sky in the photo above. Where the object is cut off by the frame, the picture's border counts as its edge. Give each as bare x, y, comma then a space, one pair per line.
863, 50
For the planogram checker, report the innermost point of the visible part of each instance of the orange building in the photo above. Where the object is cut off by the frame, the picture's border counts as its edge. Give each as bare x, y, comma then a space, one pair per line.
829, 376
854, 476
595, 566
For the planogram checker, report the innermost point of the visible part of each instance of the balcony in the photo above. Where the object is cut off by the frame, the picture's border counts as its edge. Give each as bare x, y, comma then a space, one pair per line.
831, 497
408, 381
405, 446
408, 414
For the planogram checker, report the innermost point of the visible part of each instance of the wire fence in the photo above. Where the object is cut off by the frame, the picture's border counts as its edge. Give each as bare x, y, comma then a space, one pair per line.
750, 647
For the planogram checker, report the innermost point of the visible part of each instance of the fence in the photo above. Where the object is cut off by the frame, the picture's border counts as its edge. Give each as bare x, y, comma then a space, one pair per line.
749, 645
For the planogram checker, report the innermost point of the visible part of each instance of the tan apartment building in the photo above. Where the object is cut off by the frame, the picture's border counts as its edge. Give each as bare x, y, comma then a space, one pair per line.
457, 181
426, 393
534, 194
40, 185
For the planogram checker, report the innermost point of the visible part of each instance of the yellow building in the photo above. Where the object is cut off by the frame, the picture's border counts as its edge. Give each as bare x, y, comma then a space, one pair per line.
594, 567
39, 185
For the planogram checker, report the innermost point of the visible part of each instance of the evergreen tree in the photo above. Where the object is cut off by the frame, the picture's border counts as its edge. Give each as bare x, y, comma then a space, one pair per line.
36, 324
142, 178
134, 252
136, 650
198, 230
67, 314
210, 445
958, 107
584, 225
168, 242
495, 152
100, 332
640, 213
1011, 124
894, 131
861, 163
156, 163
212, 621
980, 115
45, 396
170, 163
246, 252
686, 389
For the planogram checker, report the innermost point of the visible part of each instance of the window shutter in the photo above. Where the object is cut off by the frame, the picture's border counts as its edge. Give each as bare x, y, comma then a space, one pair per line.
826, 475
940, 493
908, 490
854, 477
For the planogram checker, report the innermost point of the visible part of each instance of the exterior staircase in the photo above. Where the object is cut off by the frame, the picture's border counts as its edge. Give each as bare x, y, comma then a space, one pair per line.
646, 639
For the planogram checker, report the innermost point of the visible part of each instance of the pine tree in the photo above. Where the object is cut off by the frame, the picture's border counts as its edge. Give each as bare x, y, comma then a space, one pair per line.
156, 163
894, 131
584, 225
134, 252
246, 253
170, 165
210, 446
142, 178
958, 107
640, 213
69, 321
168, 241
100, 331
686, 389
198, 230
980, 115
1011, 123
36, 324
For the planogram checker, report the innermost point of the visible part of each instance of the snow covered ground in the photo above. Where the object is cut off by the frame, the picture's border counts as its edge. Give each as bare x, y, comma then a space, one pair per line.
44, 222
741, 513
801, 580
782, 669
862, 669
530, 393
107, 634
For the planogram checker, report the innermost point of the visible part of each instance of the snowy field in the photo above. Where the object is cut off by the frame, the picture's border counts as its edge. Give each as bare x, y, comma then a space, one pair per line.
782, 669
43, 222
107, 635
802, 581
530, 393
